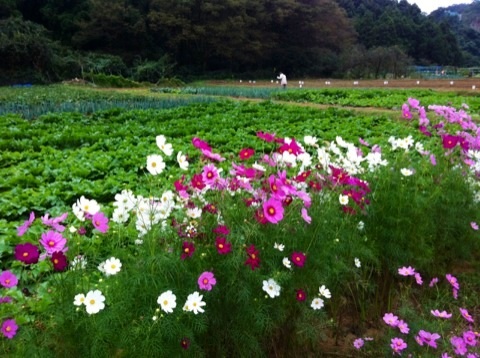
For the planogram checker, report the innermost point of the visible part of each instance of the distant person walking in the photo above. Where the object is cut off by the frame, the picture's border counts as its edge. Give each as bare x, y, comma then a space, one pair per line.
283, 80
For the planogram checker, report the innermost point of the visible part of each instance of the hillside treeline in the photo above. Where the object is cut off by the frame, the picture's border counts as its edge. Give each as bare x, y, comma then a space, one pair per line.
146, 40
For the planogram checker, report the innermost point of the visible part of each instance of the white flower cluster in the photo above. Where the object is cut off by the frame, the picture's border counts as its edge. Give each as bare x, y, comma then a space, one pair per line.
148, 211
85, 206
110, 267
168, 301
94, 301
155, 162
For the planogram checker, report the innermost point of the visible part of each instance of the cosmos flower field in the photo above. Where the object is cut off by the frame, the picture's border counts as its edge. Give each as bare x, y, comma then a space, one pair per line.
232, 228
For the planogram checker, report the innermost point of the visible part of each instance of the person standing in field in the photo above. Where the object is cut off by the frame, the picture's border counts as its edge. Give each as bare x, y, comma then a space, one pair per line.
283, 80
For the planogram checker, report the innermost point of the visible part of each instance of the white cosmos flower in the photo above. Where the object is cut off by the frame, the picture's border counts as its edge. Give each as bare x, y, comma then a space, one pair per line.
360, 225
94, 301
325, 292
79, 299
182, 161
406, 172
317, 303
286, 262
89, 206
112, 266
79, 262
357, 262
309, 140
167, 301
271, 287
125, 199
194, 213
343, 199
120, 215
258, 167
194, 303
163, 145
155, 164
279, 247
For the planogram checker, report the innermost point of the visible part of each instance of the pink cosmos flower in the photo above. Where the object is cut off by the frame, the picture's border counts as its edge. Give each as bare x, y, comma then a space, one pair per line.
433, 282
474, 225
406, 111
100, 222
459, 345
213, 156
292, 147
466, 315
433, 160
54, 223
246, 153
398, 345
406, 271
414, 103
305, 216
53, 241
21, 230
453, 281
27, 253
298, 259
403, 327
223, 246
9, 328
470, 338
445, 355
210, 174
428, 338
455, 293
390, 319
418, 278
188, 248
358, 343
443, 314
363, 142
8, 279
273, 210
206, 281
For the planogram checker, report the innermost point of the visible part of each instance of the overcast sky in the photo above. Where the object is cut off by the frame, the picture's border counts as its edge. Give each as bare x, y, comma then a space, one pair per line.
429, 5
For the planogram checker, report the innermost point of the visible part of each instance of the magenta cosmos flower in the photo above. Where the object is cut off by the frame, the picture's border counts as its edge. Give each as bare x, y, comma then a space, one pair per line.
206, 281
301, 295
9, 328
221, 230
54, 223
253, 259
100, 222
298, 259
267, 137
223, 246
246, 153
273, 210
8, 279
200, 144
27, 253
53, 241
188, 248
59, 261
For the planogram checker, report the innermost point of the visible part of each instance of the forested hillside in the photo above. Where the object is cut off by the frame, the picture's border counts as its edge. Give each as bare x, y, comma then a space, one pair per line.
146, 40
